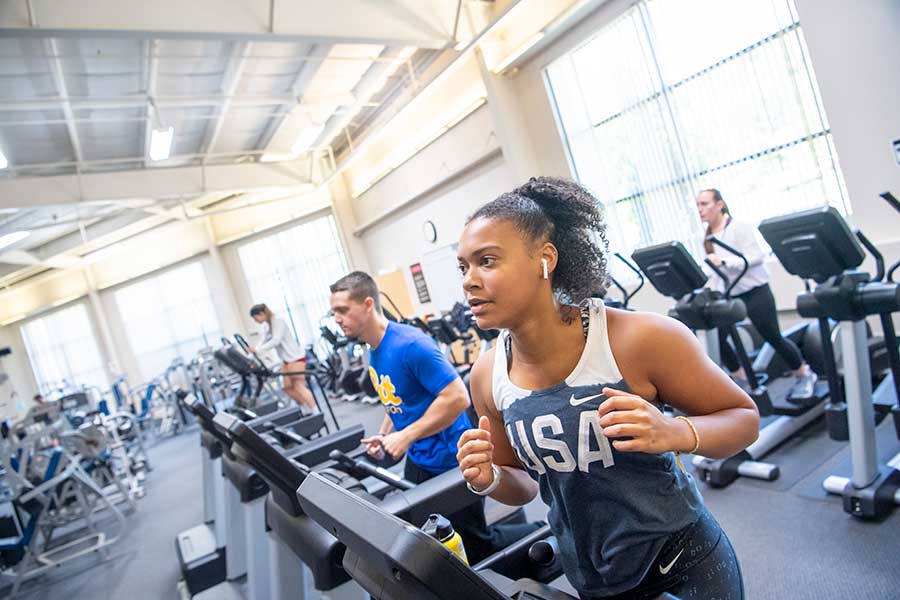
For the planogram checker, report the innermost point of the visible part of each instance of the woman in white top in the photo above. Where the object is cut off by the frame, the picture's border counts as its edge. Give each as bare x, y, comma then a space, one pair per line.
753, 288
277, 337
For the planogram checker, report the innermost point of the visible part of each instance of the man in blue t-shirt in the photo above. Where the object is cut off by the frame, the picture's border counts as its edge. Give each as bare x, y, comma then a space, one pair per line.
425, 401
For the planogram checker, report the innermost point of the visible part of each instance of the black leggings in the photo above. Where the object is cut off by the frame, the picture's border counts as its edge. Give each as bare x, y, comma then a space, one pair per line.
761, 310
699, 564
479, 539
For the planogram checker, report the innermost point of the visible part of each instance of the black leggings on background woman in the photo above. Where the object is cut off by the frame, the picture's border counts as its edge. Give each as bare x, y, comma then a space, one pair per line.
761, 311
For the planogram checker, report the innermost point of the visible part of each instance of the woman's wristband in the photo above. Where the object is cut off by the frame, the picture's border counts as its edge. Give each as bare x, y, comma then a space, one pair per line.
495, 483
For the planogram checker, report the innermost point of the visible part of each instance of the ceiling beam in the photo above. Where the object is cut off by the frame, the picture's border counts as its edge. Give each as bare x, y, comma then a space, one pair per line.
28, 259
172, 213
63, 252
421, 23
160, 183
140, 100
150, 87
59, 81
230, 80
304, 75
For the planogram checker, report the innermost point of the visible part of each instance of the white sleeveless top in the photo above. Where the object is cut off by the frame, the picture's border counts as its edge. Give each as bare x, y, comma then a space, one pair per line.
597, 362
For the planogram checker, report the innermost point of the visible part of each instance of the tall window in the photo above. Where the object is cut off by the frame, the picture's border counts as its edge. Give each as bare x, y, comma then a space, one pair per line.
676, 96
168, 316
291, 271
63, 352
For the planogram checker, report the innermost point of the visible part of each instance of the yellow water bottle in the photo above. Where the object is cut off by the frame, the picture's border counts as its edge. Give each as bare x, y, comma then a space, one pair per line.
440, 528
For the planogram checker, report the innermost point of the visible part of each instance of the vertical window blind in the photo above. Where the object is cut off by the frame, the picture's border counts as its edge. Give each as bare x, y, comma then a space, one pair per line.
676, 96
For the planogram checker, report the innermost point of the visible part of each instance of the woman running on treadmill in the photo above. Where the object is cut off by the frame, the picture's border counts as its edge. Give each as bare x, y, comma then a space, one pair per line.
277, 337
753, 289
569, 404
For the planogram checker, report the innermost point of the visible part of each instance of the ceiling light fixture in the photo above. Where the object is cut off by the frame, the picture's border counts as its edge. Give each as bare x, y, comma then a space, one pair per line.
161, 143
11, 238
306, 139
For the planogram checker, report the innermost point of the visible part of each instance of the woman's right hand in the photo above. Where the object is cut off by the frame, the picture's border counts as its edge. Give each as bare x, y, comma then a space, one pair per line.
476, 455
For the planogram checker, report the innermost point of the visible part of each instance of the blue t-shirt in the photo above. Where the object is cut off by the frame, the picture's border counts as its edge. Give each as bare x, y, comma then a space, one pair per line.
409, 371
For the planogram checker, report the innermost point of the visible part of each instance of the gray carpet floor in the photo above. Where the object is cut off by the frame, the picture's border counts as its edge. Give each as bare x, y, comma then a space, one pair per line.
793, 541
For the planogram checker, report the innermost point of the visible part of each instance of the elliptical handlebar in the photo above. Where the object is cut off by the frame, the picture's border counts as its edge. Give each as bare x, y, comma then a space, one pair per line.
895, 204
735, 252
242, 342
621, 289
393, 305
721, 274
264, 368
637, 272
890, 199
879, 258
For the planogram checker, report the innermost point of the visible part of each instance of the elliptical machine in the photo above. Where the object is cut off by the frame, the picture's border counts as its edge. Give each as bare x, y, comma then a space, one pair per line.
767, 365
818, 244
675, 273
626, 296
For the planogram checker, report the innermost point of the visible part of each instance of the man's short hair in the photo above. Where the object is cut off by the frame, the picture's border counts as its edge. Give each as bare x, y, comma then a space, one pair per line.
360, 285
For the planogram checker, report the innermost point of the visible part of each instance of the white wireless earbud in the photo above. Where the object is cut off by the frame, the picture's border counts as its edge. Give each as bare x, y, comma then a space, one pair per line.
544, 264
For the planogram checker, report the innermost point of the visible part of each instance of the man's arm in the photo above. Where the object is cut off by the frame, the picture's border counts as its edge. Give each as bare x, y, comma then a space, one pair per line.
444, 410
387, 426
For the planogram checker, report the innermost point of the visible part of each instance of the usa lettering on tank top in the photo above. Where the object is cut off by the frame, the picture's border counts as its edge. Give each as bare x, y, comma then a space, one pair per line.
611, 511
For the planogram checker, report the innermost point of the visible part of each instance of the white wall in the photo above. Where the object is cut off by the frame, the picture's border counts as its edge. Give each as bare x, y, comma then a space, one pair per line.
855, 51
444, 183
399, 242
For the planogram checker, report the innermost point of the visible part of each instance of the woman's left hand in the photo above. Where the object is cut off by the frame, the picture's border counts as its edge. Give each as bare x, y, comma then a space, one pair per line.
626, 415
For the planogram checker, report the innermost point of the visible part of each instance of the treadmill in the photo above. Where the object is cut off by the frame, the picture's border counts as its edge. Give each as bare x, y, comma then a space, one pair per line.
392, 560
203, 550
245, 496
306, 558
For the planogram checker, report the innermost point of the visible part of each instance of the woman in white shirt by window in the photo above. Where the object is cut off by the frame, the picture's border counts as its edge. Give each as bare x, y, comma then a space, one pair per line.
277, 337
753, 288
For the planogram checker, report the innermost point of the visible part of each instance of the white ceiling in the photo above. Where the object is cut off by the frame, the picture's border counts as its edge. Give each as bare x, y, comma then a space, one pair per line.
78, 97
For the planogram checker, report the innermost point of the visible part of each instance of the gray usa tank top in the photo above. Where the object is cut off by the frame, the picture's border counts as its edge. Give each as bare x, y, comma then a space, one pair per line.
611, 511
